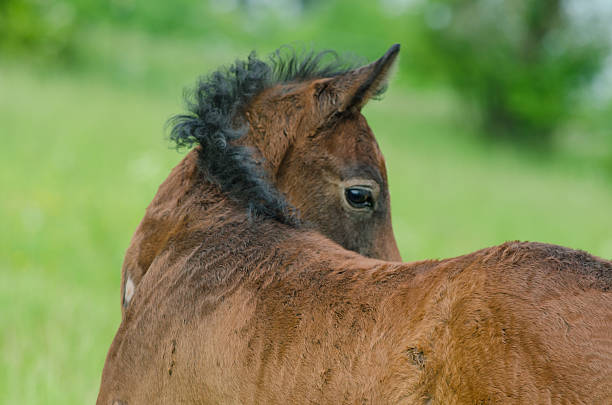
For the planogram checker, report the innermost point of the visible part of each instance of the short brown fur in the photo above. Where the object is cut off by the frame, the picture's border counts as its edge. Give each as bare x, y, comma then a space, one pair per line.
237, 311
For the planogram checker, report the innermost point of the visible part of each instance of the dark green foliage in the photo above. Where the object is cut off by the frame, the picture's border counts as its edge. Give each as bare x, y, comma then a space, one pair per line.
521, 61
45, 27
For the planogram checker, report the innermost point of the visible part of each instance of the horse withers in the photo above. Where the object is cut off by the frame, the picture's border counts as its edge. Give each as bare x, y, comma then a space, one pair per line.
245, 304
277, 120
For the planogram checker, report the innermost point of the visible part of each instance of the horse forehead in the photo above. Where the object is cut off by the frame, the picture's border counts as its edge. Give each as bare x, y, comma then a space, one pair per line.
353, 139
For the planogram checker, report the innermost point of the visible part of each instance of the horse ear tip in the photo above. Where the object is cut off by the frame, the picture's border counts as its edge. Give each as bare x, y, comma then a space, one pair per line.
394, 50
390, 55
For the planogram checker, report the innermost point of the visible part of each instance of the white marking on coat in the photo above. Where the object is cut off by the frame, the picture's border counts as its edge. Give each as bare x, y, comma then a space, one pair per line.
129, 291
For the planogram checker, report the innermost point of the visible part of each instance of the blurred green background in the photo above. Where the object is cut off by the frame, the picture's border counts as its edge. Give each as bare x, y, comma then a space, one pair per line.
497, 126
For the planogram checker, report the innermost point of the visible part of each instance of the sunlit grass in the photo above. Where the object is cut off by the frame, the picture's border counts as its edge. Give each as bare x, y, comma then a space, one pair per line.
82, 155
80, 162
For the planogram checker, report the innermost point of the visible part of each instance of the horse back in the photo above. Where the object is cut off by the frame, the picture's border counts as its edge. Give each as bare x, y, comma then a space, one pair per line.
310, 322
525, 323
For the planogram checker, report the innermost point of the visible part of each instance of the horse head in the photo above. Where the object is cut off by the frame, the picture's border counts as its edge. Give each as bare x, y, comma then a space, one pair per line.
288, 136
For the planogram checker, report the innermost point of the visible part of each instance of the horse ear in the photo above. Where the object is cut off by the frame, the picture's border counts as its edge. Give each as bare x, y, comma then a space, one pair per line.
353, 89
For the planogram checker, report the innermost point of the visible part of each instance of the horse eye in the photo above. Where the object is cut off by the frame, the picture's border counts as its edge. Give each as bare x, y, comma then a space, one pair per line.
359, 197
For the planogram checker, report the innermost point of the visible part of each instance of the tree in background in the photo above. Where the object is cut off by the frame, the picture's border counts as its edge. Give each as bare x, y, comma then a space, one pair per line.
522, 62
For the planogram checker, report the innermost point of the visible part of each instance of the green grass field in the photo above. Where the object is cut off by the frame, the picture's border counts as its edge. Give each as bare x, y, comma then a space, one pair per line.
83, 153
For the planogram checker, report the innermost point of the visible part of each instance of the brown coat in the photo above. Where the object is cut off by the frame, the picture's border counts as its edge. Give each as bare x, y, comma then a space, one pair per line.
234, 311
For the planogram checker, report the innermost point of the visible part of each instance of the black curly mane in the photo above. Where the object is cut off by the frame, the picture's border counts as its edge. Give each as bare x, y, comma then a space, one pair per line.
214, 123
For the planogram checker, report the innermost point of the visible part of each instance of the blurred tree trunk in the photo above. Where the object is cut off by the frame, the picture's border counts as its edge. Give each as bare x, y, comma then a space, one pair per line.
541, 17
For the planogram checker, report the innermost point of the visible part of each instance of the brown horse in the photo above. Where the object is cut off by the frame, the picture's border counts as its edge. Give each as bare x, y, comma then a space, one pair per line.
242, 308
337, 183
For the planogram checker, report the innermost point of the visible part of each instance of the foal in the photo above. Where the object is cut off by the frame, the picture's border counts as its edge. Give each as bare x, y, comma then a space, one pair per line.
334, 183
239, 308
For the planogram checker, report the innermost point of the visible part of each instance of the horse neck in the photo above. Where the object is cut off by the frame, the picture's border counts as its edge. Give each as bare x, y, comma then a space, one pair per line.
189, 212
180, 199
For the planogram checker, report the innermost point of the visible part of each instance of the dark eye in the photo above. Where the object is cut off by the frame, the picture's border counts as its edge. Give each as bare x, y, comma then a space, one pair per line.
359, 197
